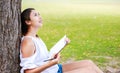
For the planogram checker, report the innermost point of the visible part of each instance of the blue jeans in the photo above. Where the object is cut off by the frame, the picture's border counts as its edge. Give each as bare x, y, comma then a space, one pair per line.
60, 68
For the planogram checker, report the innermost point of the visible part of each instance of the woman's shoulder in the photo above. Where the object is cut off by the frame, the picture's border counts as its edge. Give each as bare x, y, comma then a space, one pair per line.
27, 47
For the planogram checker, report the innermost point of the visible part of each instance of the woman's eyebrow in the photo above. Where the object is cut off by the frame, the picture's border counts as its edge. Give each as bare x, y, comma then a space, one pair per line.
35, 13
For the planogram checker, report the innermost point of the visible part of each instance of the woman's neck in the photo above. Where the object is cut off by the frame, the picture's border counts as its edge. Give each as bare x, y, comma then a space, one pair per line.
32, 32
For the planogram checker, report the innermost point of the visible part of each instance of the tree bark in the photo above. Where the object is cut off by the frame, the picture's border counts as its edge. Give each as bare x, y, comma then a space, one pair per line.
10, 33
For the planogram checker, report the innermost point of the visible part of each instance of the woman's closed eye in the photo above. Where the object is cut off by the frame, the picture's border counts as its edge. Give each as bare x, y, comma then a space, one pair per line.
36, 14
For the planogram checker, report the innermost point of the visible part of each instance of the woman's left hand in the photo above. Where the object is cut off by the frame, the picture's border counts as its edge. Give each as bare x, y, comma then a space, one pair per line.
67, 40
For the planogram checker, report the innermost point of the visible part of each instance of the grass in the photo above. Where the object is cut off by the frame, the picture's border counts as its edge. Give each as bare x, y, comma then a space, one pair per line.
94, 29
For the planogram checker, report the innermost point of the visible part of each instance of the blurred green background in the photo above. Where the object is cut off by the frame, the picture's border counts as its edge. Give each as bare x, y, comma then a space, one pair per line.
92, 25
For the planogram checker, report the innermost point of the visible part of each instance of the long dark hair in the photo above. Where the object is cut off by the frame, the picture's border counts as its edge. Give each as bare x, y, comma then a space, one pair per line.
25, 16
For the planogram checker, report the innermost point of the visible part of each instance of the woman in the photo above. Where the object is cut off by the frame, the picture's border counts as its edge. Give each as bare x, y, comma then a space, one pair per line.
33, 51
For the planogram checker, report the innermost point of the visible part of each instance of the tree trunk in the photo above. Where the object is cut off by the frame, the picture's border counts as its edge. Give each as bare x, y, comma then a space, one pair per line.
10, 33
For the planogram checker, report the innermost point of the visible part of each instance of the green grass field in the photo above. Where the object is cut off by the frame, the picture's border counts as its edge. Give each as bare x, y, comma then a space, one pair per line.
94, 30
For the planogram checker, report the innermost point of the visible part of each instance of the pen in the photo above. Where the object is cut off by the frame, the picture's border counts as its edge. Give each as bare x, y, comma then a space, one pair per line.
49, 59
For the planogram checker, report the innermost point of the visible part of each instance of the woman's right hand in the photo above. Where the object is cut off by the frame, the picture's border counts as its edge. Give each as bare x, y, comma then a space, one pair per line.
56, 58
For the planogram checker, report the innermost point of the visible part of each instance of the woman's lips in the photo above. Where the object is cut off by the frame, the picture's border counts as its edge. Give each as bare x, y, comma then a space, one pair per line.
40, 21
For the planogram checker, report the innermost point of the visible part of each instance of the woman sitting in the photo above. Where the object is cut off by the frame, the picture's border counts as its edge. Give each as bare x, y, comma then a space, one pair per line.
33, 50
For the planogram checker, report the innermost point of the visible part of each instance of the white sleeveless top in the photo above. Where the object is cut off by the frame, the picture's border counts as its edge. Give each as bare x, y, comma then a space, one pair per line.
37, 59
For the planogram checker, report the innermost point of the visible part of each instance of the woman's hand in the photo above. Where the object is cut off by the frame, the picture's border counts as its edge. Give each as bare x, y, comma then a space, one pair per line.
67, 40
56, 58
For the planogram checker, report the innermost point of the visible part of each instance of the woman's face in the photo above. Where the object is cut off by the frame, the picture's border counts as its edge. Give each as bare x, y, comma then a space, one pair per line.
35, 19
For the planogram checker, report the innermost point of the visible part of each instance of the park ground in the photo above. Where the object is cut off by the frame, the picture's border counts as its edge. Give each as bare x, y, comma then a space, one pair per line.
94, 30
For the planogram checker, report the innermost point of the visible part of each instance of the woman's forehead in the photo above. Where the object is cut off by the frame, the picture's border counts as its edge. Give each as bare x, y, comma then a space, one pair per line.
34, 11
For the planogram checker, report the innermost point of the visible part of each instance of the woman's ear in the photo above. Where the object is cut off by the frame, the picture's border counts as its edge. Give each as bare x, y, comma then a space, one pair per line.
28, 22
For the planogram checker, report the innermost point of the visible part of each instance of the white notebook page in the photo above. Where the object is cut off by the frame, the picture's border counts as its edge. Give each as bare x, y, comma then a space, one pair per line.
57, 47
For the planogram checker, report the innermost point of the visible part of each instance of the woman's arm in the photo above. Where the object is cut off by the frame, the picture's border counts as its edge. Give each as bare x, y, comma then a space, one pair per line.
43, 67
28, 49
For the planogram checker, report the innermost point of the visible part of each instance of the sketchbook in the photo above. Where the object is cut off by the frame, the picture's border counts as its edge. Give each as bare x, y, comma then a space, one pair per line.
58, 47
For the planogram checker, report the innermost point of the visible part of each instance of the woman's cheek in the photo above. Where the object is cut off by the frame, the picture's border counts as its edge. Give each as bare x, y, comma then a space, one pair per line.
38, 24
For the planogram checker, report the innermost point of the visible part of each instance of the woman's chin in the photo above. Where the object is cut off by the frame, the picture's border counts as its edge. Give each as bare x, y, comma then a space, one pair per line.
40, 25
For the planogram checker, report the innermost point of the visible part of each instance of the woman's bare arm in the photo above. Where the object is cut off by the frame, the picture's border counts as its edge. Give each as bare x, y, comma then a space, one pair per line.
42, 68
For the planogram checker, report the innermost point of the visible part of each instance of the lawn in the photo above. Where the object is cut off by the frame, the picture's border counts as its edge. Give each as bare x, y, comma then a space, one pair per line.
94, 30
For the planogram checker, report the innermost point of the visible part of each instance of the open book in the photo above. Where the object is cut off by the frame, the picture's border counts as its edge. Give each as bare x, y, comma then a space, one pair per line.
57, 47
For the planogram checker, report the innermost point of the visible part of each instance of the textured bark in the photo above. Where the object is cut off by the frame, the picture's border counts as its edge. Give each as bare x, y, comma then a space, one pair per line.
10, 33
